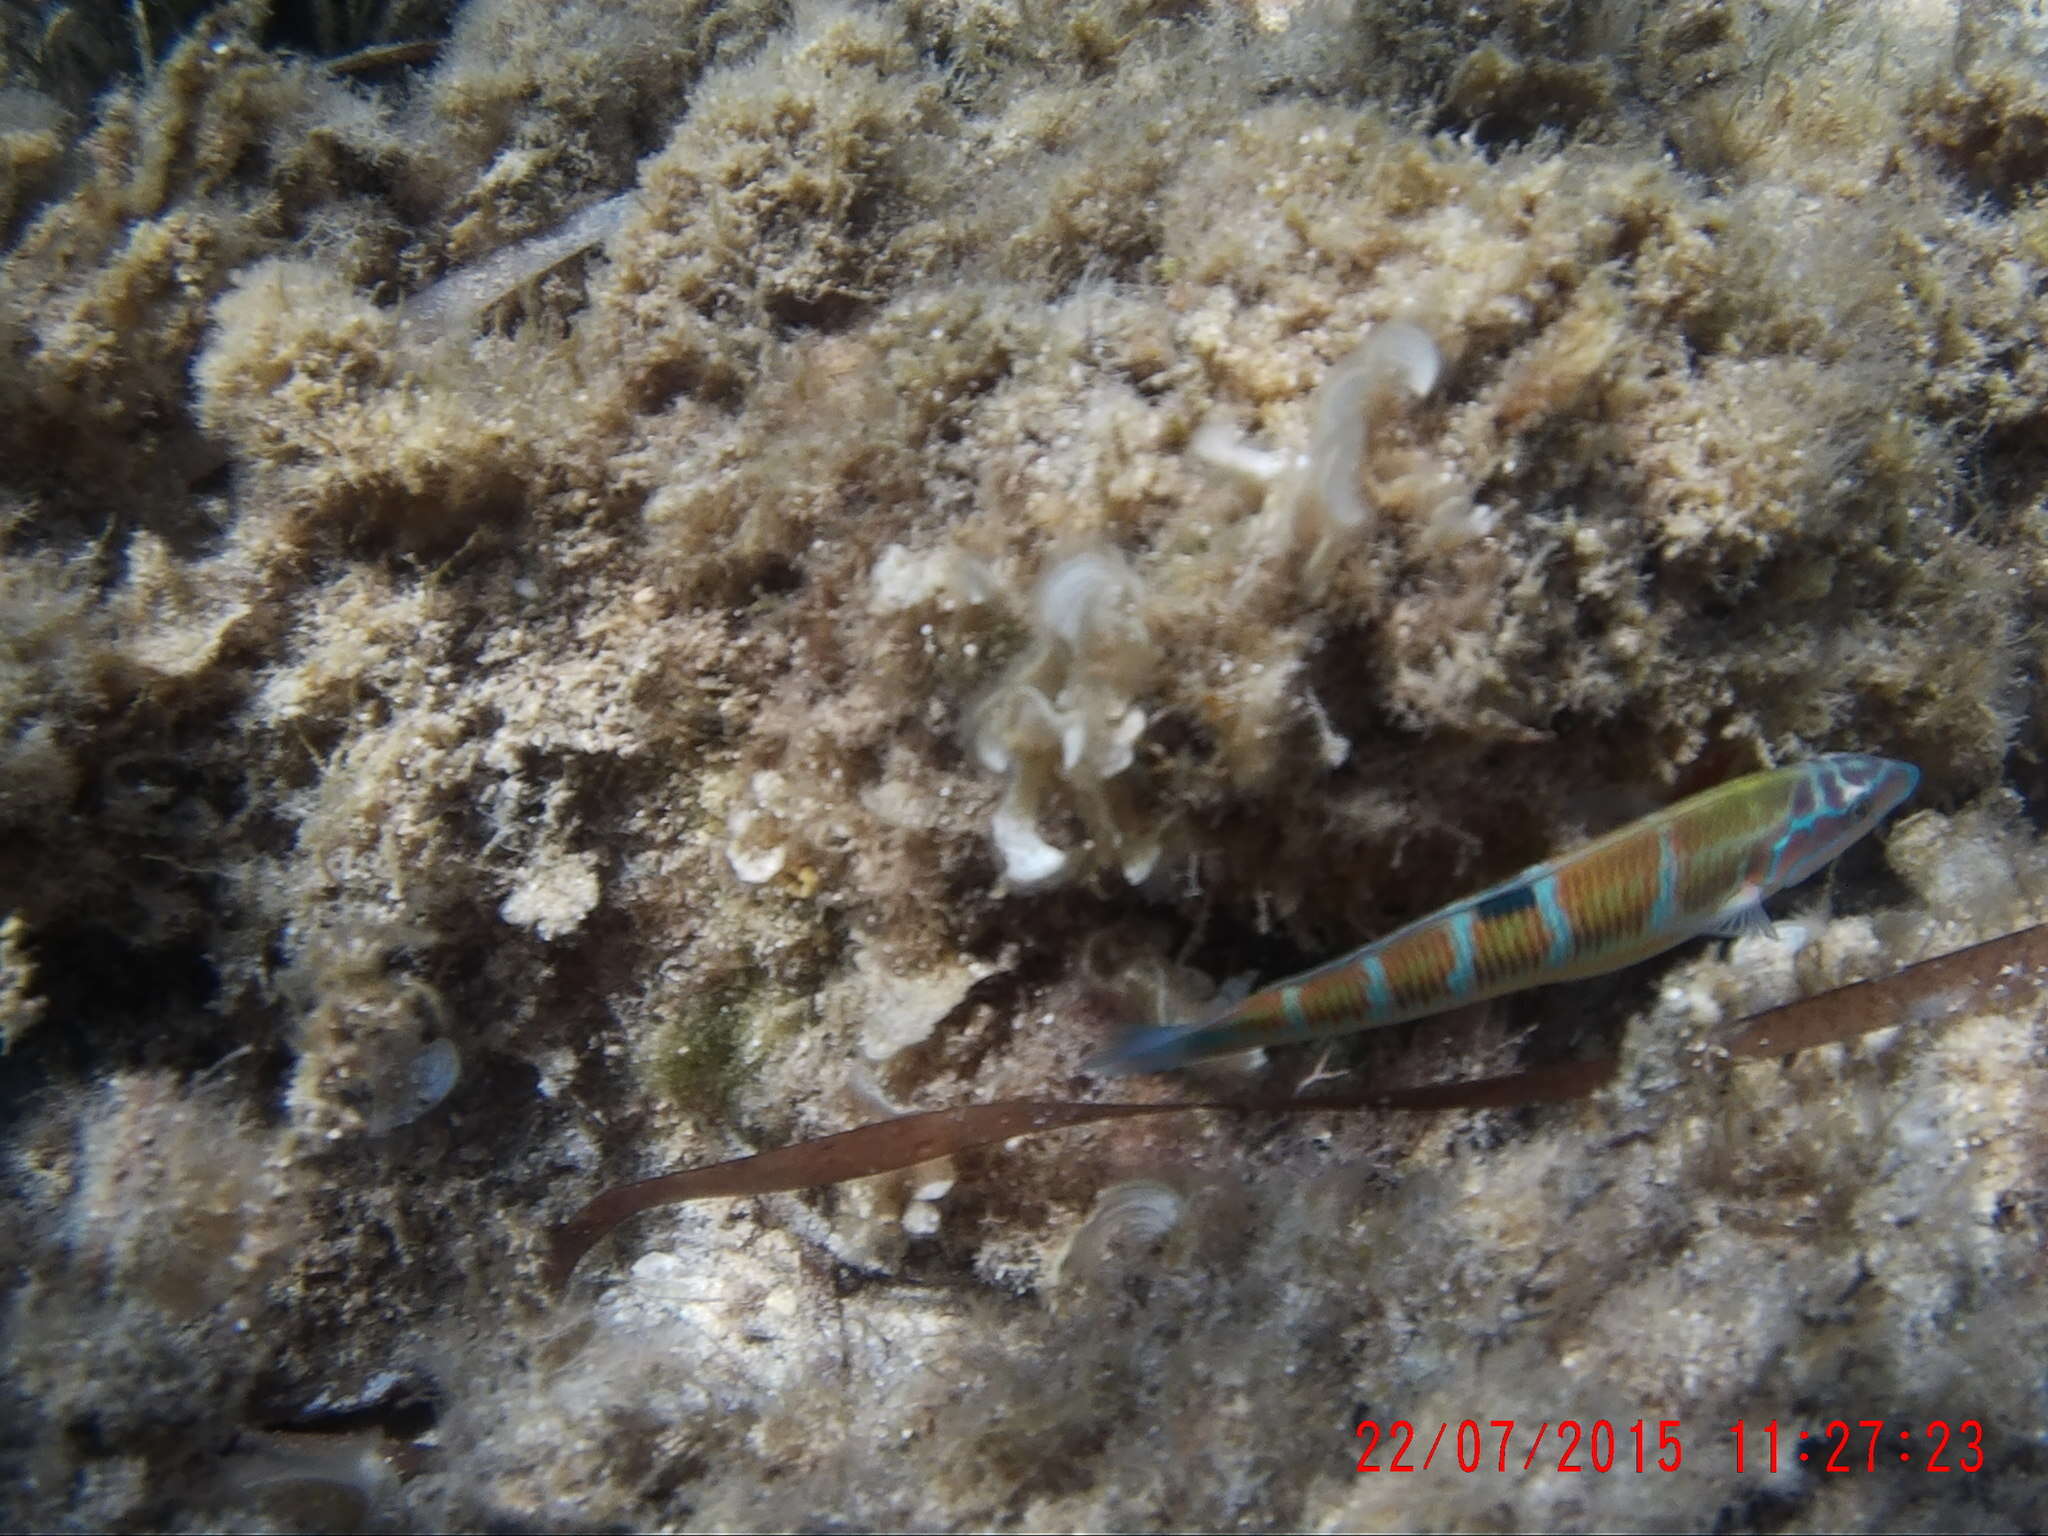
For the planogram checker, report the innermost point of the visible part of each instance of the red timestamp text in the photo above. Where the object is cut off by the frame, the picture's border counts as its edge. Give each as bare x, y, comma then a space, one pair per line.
1645, 1445
1864, 1445
1568, 1445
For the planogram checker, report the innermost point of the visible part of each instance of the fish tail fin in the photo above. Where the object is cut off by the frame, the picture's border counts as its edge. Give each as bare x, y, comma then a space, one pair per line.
1155, 1048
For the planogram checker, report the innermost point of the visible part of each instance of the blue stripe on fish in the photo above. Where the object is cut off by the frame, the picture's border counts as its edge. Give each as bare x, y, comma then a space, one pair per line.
1555, 924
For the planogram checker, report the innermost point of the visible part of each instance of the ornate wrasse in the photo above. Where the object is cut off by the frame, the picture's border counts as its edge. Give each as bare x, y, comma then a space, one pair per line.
1701, 866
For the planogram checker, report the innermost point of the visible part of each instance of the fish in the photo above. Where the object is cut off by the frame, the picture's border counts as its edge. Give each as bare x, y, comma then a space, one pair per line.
1702, 866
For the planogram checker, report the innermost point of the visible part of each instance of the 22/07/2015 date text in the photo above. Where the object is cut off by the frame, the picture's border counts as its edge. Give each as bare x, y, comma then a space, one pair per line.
1600, 1445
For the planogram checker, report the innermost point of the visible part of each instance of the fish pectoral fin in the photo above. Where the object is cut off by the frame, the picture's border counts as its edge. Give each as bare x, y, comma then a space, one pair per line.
1742, 919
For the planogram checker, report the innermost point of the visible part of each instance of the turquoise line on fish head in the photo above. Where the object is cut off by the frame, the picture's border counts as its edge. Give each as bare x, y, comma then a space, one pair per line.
1840, 797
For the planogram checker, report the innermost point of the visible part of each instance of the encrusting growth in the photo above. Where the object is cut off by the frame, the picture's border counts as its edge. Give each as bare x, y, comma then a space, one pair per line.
565, 595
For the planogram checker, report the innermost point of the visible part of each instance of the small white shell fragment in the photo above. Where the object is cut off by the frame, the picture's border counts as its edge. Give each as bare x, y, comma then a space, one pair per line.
657, 1266
557, 893
756, 868
903, 578
1134, 1212
752, 860
895, 1008
1027, 857
936, 1188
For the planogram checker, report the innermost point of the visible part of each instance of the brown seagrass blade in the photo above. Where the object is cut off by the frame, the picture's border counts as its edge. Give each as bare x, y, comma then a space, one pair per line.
1995, 975
907, 1140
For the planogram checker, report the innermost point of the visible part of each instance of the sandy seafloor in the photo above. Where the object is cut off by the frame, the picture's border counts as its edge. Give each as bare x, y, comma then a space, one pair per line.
589, 587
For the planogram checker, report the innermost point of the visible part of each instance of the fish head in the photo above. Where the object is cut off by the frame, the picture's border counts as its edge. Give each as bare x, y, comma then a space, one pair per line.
1846, 795
1864, 789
